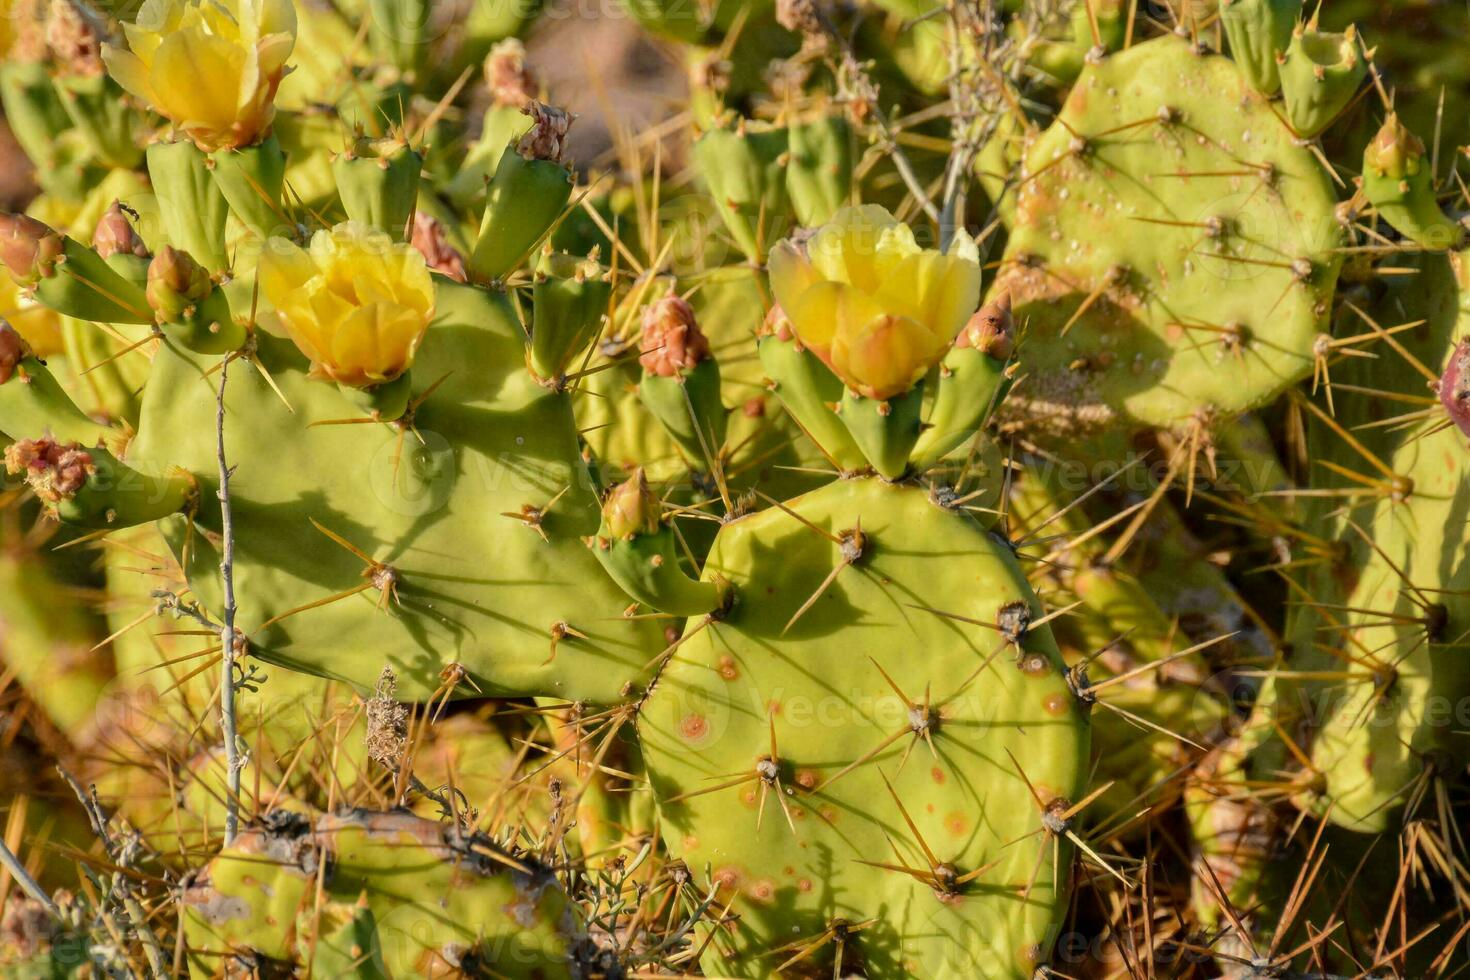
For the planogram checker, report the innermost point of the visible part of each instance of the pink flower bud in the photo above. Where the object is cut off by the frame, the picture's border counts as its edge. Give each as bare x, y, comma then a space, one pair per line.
29, 248
672, 341
990, 330
115, 234
1454, 386
13, 350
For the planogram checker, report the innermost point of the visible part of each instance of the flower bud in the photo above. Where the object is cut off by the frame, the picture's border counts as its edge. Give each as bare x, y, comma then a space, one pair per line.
29, 248
1394, 153
991, 330
432, 243
511, 83
176, 283
115, 234
672, 342
631, 508
776, 324
13, 350
546, 139
1454, 386
53, 470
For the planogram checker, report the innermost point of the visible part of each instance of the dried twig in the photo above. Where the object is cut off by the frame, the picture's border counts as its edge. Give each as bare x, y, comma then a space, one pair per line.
22, 877
234, 763
123, 853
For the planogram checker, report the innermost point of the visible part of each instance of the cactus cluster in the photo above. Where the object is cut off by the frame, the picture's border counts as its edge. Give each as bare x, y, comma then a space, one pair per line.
978, 490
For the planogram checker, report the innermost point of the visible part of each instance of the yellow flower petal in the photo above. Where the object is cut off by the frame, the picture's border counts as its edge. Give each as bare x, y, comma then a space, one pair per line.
846, 248
791, 274
376, 342
875, 306
195, 76
282, 269
129, 71
886, 355
826, 310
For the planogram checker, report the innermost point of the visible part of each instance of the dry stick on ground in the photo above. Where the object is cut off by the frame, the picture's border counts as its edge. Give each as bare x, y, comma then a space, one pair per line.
233, 762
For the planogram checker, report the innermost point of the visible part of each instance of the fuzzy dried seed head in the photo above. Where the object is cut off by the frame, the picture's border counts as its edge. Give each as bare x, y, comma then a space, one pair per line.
432, 242
26, 927
75, 34
387, 723
546, 139
55, 471
672, 341
802, 17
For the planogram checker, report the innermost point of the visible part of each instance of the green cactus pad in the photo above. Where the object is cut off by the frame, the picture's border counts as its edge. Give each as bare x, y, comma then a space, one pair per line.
1386, 620
439, 899
473, 585
707, 731
1181, 246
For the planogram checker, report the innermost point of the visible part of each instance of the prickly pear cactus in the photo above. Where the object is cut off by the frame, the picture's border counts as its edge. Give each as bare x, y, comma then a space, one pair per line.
1389, 613
833, 750
1171, 248
436, 516
393, 894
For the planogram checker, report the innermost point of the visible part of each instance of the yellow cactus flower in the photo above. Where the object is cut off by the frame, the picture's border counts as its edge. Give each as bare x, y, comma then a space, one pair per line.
879, 310
356, 302
38, 326
211, 66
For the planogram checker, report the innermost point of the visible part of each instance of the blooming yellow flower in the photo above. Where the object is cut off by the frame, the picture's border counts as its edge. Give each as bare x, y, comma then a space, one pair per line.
211, 66
356, 302
864, 297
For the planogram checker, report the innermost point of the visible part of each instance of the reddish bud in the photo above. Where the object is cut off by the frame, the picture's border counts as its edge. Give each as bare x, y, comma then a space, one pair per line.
29, 248
991, 330
115, 234
1454, 386
13, 350
175, 283
672, 341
